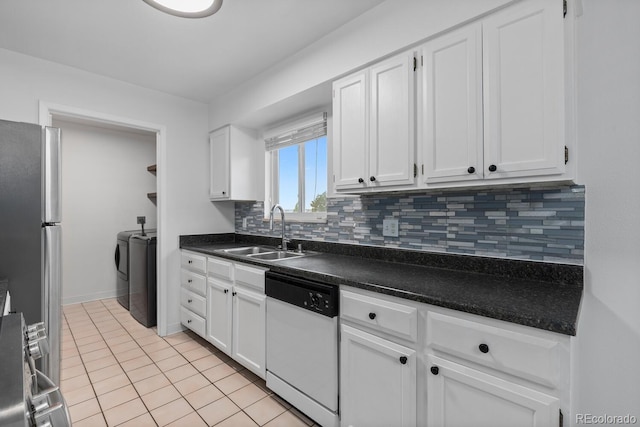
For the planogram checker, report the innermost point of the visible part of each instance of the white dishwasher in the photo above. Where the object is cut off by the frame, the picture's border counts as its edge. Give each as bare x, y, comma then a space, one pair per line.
302, 345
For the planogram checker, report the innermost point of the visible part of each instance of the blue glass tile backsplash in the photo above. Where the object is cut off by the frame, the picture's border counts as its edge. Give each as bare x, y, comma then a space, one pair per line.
531, 223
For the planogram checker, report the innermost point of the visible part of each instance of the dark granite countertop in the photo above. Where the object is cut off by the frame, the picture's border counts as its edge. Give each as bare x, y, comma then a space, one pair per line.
508, 290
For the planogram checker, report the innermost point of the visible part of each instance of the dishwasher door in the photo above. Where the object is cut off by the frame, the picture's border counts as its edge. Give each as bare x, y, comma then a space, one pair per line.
302, 350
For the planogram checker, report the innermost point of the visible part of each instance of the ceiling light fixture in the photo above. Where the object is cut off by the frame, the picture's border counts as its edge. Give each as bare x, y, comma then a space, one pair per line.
187, 8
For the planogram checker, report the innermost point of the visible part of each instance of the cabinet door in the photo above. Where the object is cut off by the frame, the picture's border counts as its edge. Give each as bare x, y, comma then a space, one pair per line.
392, 135
249, 331
451, 126
377, 381
219, 148
350, 131
219, 306
458, 396
523, 49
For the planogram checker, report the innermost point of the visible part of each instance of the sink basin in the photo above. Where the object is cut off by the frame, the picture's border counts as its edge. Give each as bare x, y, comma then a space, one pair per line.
265, 253
273, 256
251, 250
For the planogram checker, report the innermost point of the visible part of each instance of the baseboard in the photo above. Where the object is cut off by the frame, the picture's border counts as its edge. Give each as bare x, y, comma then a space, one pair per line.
89, 297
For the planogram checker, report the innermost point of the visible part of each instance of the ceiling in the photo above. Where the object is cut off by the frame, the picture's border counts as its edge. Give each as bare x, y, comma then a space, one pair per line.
197, 59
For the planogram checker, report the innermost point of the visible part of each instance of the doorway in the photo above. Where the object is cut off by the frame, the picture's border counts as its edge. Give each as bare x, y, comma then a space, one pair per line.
141, 130
105, 188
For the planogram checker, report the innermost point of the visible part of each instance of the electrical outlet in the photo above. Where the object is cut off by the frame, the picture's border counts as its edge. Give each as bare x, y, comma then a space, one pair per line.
244, 223
390, 227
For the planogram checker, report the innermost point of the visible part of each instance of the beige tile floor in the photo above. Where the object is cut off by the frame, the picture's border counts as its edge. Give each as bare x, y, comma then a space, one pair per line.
116, 372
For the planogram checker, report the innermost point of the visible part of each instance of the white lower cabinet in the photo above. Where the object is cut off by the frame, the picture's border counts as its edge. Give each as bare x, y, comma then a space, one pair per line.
458, 396
378, 361
236, 312
249, 329
192, 321
219, 309
193, 291
378, 381
483, 372
404, 363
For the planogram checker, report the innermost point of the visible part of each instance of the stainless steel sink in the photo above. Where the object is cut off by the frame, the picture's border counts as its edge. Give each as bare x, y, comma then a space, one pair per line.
274, 256
251, 250
265, 253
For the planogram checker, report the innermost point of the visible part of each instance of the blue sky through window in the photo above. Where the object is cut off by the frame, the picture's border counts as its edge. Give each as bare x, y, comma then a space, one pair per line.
288, 177
315, 173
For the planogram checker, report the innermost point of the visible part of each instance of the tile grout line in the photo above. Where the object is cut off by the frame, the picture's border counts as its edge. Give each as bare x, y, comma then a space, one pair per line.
126, 327
153, 362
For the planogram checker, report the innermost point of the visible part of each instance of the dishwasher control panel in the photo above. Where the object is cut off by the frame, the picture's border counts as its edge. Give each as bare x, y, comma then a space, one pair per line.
317, 301
321, 298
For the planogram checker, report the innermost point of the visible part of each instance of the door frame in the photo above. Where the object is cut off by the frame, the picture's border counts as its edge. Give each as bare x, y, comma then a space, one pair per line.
48, 110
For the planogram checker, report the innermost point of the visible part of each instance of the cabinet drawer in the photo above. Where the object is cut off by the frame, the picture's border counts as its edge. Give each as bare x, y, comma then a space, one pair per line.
193, 302
193, 262
527, 356
194, 282
220, 268
396, 319
250, 276
192, 321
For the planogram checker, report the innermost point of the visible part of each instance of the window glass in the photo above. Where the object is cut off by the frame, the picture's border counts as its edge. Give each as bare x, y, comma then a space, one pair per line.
300, 177
287, 178
315, 175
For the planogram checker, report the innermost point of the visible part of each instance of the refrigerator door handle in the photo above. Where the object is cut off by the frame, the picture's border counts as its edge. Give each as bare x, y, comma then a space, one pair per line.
52, 307
51, 175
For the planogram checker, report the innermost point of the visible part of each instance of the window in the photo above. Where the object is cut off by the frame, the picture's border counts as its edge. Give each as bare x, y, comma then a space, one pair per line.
298, 172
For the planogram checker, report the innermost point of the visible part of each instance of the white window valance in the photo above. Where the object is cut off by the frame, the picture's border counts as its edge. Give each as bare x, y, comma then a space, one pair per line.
296, 132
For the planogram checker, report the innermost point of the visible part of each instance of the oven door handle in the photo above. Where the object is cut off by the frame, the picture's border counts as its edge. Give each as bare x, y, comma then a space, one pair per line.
50, 409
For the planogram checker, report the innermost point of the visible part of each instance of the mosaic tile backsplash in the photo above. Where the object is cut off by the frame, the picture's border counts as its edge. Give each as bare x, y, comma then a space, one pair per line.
533, 223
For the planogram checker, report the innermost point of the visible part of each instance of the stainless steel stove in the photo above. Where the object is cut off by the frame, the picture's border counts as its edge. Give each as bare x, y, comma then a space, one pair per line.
28, 398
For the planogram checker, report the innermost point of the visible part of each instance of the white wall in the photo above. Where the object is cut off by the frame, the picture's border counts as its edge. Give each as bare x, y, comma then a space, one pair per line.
183, 205
104, 186
607, 372
385, 29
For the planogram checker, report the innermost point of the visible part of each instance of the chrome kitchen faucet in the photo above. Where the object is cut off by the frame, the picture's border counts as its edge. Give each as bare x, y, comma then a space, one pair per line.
284, 239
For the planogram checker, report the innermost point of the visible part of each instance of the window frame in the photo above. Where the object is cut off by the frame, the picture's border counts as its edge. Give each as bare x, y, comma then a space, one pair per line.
272, 181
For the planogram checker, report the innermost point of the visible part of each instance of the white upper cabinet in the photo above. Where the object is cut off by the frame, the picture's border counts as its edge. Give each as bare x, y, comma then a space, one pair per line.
350, 130
524, 95
493, 99
219, 179
452, 106
236, 164
373, 138
391, 126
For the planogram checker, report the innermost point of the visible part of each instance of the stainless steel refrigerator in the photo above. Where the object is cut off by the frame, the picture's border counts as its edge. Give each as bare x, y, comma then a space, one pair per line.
30, 232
